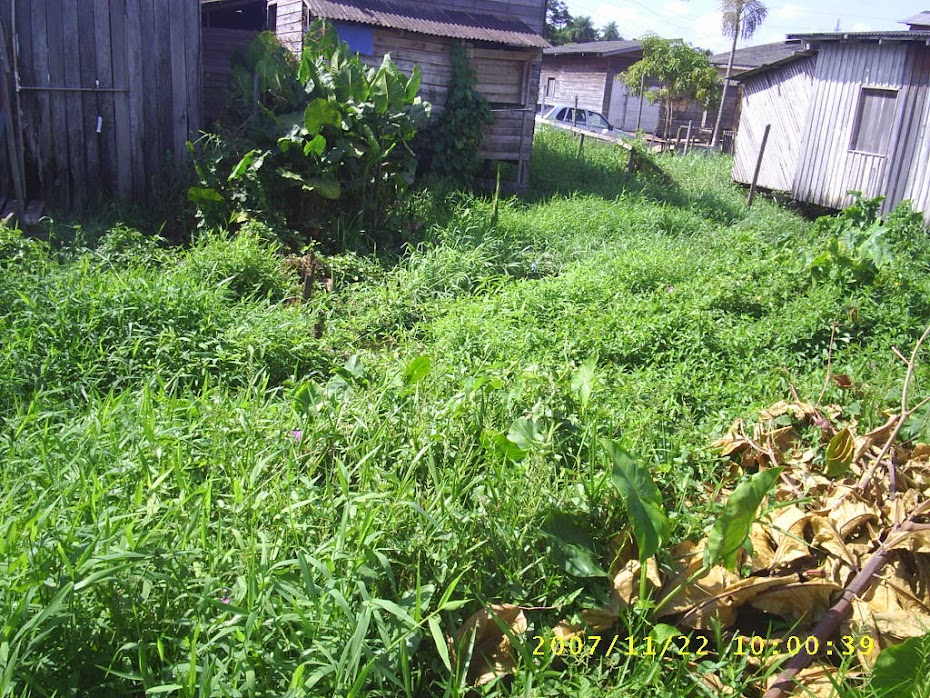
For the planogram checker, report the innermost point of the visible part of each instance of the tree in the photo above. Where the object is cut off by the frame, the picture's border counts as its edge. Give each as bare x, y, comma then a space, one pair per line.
580, 30
741, 18
672, 72
610, 32
557, 19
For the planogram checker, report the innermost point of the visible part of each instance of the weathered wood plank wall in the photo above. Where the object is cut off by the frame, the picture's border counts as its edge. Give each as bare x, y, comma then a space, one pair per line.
291, 20
108, 88
780, 97
828, 168
219, 45
584, 77
910, 178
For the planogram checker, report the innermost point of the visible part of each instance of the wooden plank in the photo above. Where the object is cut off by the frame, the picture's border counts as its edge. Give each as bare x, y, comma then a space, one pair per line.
194, 58
60, 180
106, 102
31, 40
74, 103
139, 95
160, 49
121, 57
174, 17
90, 108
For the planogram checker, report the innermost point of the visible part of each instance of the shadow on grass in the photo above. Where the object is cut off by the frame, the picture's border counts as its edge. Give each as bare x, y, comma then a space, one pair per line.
602, 171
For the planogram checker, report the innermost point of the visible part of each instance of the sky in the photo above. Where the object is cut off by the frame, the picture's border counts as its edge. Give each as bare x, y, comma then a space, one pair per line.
698, 21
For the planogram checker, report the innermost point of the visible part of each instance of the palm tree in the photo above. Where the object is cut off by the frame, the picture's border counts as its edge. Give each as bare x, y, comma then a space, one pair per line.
741, 18
581, 29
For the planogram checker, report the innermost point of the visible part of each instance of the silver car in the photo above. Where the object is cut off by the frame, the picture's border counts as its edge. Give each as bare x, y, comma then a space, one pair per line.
587, 119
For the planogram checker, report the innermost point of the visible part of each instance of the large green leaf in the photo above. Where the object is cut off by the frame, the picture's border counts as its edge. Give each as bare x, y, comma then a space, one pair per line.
732, 528
584, 380
526, 433
417, 370
319, 113
902, 670
571, 547
642, 499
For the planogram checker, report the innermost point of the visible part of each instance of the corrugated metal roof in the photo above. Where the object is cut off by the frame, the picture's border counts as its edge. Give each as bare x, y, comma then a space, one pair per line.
865, 36
597, 48
755, 56
921, 19
749, 74
423, 19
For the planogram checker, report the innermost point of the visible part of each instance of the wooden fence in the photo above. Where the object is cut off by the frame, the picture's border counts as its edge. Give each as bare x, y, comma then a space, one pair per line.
105, 91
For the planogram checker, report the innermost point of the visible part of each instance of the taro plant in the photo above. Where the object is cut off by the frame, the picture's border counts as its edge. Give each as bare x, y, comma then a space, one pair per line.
858, 248
342, 150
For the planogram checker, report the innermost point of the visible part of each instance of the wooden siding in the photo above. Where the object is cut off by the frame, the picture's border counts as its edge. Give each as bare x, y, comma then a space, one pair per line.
828, 168
909, 178
624, 110
507, 78
584, 77
131, 66
219, 45
291, 22
780, 97
620, 107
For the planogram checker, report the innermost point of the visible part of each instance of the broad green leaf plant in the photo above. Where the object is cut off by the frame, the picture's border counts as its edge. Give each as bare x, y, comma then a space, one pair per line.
340, 145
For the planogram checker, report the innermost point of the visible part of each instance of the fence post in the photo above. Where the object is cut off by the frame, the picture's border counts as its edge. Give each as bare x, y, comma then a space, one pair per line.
755, 175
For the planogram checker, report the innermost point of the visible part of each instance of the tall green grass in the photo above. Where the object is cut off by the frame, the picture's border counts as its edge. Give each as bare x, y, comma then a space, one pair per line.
202, 494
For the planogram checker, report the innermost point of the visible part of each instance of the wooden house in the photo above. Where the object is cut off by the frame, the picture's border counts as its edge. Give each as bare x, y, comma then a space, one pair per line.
98, 94
850, 112
590, 72
503, 41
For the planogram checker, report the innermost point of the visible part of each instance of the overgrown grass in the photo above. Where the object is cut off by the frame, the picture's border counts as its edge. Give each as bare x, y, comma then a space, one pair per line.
208, 490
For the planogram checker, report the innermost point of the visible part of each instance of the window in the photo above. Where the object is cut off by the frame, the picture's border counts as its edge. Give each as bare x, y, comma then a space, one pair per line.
550, 87
595, 120
874, 120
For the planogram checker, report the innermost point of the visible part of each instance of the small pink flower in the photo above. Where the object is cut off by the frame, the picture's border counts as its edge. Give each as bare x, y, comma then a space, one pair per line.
225, 598
297, 434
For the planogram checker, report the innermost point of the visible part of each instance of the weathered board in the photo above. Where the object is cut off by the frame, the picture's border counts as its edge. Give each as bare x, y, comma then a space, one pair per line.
780, 97
108, 89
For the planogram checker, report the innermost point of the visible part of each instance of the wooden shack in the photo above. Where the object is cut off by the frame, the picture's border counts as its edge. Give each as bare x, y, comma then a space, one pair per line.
850, 113
102, 93
590, 72
503, 41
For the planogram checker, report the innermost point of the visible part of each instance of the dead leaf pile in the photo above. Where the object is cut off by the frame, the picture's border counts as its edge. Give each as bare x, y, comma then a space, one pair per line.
821, 524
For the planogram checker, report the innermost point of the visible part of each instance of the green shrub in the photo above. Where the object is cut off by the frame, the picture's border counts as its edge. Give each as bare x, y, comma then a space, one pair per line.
246, 264
338, 147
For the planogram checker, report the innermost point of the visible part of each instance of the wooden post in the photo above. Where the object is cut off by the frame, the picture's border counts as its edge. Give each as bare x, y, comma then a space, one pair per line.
642, 96
580, 145
755, 175
688, 138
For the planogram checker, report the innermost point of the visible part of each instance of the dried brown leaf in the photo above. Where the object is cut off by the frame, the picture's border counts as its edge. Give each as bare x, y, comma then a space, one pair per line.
492, 652
801, 601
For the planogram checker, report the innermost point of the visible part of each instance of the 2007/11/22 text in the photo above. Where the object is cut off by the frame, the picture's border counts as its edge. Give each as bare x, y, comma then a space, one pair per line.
630, 646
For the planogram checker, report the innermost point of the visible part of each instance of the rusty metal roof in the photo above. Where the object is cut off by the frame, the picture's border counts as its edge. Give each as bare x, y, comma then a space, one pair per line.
422, 18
